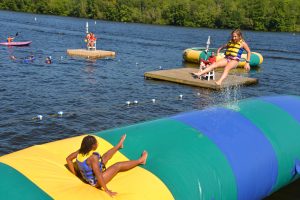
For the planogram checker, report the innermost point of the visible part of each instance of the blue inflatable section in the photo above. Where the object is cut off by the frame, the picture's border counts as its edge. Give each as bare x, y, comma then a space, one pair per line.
292, 107
242, 144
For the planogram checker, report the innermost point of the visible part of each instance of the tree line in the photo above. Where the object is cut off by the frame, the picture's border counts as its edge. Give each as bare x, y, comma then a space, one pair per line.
260, 15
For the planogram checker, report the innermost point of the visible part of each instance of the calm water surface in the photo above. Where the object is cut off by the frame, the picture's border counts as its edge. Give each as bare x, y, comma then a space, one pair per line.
93, 94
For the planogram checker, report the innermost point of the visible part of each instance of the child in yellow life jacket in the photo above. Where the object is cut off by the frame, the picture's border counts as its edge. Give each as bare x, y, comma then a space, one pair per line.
234, 49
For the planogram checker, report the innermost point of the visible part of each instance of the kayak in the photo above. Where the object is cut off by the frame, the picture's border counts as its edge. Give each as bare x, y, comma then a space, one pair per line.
26, 43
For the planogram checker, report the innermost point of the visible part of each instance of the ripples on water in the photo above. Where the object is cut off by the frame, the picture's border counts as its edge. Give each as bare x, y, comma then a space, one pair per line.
93, 94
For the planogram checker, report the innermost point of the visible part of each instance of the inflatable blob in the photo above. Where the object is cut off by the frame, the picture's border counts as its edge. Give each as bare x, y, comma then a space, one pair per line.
243, 151
194, 55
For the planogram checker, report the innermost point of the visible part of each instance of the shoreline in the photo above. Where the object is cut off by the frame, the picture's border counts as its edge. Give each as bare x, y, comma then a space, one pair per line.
297, 31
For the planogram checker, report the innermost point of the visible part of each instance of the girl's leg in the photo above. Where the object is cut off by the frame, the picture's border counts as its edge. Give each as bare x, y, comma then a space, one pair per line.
113, 170
228, 67
220, 63
109, 154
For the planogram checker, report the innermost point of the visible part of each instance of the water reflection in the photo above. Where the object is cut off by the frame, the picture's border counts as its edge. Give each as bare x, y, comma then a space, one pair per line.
90, 71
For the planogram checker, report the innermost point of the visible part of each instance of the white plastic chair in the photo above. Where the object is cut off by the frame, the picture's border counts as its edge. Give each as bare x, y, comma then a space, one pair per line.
93, 48
209, 76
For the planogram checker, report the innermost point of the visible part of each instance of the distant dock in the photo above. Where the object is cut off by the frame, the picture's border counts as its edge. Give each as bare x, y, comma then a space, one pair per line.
183, 76
94, 54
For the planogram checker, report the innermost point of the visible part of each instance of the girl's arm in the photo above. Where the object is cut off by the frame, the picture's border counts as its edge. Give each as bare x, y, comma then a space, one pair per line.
99, 175
246, 47
70, 159
221, 47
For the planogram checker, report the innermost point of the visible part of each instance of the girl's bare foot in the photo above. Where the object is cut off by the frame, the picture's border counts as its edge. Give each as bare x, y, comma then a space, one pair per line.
195, 75
217, 83
120, 145
143, 158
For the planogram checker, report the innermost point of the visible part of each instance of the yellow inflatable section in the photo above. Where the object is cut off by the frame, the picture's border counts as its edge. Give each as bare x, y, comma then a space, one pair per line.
45, 166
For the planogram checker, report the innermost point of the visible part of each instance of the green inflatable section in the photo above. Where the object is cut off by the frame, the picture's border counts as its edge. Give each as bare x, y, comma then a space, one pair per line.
254, 60
204, 56
201, 171
282, 131
14, 185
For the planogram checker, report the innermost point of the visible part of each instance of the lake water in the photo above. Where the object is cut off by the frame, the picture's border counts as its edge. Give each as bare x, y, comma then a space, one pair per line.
93, 94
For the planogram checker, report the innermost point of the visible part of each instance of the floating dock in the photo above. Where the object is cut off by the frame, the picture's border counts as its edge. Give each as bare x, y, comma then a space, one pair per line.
183, 76
95, 54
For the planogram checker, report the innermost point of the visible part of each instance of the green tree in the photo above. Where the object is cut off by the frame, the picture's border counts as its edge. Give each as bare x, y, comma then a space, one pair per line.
176, 13
78, 8
262, 15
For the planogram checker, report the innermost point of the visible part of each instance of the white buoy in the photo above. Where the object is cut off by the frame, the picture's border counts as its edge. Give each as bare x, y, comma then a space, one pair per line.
136, 63
35, 19
136, 102
160, 67
198, 93
60, 113
128, 103
180, 96
95, 22
39, 117
153, 100
61, 57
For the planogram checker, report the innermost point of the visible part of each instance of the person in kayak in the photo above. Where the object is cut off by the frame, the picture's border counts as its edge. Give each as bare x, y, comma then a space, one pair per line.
92, 166
10, 39
234, 49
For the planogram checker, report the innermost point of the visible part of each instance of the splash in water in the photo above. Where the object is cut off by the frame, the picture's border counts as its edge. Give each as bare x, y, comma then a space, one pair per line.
231, 96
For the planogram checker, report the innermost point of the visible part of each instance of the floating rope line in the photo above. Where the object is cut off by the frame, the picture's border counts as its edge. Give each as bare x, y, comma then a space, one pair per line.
230, 94
153, 101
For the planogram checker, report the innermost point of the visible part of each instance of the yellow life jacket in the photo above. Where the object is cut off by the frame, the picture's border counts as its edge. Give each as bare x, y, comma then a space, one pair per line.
234, 49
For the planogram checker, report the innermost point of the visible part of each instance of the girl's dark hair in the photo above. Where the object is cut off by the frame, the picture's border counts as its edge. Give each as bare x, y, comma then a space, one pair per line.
238, 32
87, 144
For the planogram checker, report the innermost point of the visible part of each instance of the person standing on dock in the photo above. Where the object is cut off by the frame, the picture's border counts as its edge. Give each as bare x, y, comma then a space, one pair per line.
91, 41
234, 50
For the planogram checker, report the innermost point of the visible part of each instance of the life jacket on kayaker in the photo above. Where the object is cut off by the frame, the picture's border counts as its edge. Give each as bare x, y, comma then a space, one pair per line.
10, 39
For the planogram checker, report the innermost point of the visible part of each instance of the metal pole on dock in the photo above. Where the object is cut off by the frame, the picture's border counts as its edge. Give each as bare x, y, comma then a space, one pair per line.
87, 27
207, 45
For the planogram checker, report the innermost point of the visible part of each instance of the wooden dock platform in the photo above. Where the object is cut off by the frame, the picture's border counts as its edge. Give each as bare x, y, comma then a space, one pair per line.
183, 76
94, 54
